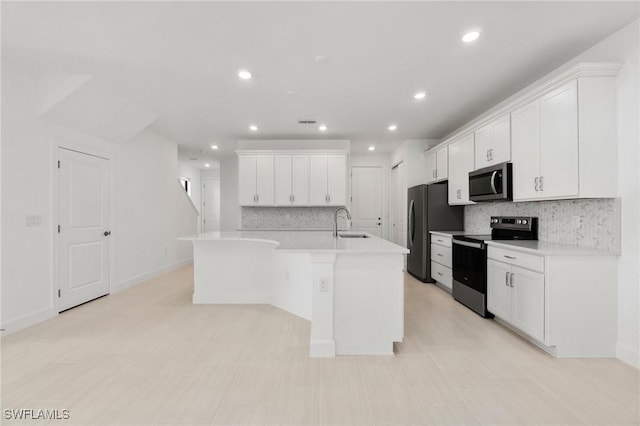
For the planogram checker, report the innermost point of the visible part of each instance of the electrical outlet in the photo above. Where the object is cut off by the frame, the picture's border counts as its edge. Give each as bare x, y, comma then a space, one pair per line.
33, 220
324, 285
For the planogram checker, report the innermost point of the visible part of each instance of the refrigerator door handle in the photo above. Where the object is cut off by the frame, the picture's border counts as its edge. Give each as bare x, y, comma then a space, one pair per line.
412, 214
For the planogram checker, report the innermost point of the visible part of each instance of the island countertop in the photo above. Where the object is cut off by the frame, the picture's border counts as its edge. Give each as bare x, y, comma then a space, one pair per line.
305, 241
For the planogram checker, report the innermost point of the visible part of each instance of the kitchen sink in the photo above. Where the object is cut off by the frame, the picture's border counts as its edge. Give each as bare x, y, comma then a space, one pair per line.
352, 235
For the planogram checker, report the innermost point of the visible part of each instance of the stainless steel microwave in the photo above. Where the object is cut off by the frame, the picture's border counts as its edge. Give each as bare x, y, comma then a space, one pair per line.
491, 183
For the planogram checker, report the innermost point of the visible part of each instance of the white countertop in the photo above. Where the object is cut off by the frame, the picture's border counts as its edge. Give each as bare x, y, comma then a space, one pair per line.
541, 248
305, 241
447, 233
549, 248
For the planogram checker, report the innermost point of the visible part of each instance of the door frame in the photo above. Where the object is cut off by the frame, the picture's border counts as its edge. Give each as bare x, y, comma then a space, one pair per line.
95, 151
384, 192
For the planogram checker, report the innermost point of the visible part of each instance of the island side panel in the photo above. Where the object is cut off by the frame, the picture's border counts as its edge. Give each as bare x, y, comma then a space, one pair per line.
232, 271
368, 302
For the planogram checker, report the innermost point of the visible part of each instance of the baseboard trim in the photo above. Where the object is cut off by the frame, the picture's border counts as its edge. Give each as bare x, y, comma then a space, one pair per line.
322, 349
628, 355
28, 320
126, 284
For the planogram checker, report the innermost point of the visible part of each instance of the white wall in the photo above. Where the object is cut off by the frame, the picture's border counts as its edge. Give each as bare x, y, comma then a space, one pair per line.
148, 210
623, 47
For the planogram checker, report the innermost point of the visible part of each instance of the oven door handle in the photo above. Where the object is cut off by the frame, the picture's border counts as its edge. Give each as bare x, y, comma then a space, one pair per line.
493, 181
468, 244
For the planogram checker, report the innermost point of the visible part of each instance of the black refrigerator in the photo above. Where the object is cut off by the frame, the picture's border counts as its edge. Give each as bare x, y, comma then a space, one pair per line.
428, 210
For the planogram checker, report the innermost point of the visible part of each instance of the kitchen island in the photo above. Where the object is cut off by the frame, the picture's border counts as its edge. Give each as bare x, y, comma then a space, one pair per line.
351, 289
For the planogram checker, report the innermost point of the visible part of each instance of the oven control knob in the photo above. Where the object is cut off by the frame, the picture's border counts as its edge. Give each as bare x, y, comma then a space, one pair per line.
525, 221
518, 221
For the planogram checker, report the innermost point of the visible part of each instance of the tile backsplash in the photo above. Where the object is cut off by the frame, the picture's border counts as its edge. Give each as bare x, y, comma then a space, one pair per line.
588, 223
289, 218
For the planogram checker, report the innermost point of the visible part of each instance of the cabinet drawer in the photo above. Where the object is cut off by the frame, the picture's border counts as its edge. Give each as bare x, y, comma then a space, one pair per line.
440, 240
442, 274
523, 260
441, 254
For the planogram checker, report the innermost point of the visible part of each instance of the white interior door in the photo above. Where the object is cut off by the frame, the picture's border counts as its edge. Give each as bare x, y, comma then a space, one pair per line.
210, 204
398, 205
83, 232
366, 199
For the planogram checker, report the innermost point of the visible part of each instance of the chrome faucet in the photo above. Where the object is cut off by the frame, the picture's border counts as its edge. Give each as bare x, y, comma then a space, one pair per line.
335, 219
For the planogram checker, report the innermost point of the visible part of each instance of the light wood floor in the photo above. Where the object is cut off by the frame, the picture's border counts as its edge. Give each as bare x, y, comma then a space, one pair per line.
147, 356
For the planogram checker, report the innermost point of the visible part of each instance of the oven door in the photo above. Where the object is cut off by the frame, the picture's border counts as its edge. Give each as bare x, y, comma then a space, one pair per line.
470, 264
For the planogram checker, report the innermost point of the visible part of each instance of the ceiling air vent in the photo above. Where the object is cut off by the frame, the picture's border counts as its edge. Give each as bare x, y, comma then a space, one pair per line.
307, 121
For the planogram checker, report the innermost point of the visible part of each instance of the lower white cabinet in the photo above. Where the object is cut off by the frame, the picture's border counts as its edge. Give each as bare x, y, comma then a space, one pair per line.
441, 259
563, 298
516, 295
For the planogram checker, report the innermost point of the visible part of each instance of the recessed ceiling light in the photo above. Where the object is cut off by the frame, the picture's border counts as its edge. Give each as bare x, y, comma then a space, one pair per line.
471, 36
322, 128
253, 128
244, 74
420, 95
372, 148
392, 128
207, 165
214, 146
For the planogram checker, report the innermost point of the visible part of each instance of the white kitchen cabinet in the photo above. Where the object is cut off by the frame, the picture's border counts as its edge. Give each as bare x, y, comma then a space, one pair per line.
561, 297
493, 142
461, 162
291, 180
441, 253
516, 295
430, 164
256, 180
328, 180
437, 164
545, 146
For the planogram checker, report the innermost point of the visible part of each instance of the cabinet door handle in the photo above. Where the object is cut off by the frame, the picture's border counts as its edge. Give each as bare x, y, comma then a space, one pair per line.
440, 254
535, 182
440, 273
506, 279
510, 257
329, 197
487, 155
258, 197
541, 188
511, 279
293, 197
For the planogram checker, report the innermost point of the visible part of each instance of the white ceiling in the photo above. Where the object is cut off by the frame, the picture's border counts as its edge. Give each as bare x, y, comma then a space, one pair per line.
180, 61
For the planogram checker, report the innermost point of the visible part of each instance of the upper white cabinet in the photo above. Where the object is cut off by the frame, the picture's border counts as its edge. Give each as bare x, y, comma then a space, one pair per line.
559, 134
328, 180
461, 162
493, 142
291, 180
437, 164
256, 180
564, 142
545, 146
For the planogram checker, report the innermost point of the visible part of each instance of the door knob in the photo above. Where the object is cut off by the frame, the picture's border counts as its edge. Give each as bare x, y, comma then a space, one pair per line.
107, 233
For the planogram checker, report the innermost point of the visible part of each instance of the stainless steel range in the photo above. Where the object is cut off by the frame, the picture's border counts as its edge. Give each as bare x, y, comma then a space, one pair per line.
470, 258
